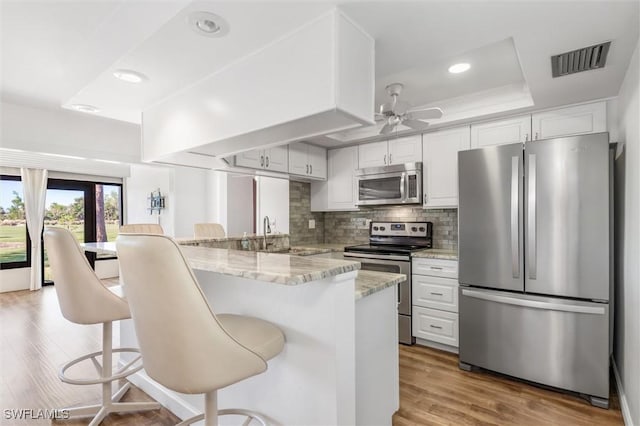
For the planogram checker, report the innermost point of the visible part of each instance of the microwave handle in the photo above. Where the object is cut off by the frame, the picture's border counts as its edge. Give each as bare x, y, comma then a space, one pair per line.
403, 184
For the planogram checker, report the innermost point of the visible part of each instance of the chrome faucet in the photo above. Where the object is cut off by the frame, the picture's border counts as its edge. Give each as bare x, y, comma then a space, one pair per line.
266, 229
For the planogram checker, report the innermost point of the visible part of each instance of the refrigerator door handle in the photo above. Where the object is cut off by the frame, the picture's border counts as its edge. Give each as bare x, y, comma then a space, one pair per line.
515, 225
531, 217
536, 304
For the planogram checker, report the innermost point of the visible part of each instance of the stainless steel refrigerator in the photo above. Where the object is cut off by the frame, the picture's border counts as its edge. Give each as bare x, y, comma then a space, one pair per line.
534, 262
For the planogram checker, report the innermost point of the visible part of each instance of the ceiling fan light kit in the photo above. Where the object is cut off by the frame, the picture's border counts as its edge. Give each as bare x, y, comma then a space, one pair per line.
395, 112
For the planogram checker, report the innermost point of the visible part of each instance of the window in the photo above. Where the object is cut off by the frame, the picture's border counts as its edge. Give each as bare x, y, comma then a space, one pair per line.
15, 245
108, 213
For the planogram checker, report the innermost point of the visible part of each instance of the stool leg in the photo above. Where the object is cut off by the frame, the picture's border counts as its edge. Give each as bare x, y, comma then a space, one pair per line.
211, 408
107, 353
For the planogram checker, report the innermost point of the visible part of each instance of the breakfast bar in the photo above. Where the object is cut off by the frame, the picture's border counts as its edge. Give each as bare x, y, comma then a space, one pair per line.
340, 361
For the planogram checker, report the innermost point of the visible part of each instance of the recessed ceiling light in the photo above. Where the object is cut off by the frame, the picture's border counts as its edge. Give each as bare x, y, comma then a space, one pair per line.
458, 68
85, 108
130, 76
208, 24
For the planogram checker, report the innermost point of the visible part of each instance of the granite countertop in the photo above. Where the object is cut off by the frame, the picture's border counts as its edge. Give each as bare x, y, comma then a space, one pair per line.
191, 240
269, 267
370, 282
326, 248
443, 254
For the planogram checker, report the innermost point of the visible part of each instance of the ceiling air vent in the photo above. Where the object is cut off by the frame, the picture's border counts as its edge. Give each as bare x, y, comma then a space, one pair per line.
585, 59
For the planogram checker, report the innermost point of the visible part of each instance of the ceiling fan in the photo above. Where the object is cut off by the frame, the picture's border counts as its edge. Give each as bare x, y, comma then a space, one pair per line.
394, 112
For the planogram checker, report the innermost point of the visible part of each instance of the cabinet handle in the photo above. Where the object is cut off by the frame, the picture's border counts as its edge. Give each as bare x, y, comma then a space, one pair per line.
437, 294
526, 137
262, 161
385, 159
435, 326
307, 169
536, 135
267, 161
424, 200
310, 169
437, 268
390, 158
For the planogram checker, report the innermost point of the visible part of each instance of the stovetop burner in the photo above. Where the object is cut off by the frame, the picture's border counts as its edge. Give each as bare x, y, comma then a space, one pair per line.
396, 238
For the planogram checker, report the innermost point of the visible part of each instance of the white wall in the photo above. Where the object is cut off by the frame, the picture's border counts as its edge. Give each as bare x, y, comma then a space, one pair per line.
239, 205
273, 201
138, 187
60, 131
627, 237
189, 194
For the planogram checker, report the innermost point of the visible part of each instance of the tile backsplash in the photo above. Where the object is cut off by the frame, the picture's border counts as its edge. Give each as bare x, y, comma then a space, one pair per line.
352, 227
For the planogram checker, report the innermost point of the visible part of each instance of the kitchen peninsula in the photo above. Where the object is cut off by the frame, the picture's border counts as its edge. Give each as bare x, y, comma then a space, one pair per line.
340, 361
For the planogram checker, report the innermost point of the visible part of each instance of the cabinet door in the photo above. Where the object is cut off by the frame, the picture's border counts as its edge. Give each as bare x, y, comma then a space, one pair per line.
298, 159
435, 293
576, 120
435, 325
317, 161
277, 159
501, 132
372, 155
405, 150
253, 159
341, 181
440, 166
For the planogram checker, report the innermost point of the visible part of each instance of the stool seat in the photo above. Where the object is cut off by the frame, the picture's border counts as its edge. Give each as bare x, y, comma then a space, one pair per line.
259, 336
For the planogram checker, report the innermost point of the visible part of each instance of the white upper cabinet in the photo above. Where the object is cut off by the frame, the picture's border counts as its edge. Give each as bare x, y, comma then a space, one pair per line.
500, 132
397, 151
277, 159
318, 162
298, 156
405, 150
372, 154
575, 120
308, 160
253, 159
338, 192
440, 166
274, 159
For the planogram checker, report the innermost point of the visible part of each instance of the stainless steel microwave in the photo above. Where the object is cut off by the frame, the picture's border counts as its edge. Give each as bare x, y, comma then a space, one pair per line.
398, 184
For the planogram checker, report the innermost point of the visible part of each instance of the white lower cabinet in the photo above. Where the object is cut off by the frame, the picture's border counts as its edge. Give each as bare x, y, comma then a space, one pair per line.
435, 325
435, 301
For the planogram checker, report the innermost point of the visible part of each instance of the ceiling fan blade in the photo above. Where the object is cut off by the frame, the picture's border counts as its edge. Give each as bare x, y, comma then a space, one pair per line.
387, 128
415, 124
425, 114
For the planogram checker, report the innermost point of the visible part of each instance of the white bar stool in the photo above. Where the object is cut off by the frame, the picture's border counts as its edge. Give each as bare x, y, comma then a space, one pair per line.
84, 299
185, 346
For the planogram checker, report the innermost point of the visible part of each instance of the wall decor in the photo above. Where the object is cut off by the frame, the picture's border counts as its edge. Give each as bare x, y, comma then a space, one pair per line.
156, 202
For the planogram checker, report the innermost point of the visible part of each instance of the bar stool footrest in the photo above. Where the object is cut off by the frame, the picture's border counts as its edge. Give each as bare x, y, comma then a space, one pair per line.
230, 411
131, 367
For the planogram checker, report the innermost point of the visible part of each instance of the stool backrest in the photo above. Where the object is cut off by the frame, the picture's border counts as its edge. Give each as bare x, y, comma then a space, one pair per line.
208, 230
184, 347
142, 228
82, 296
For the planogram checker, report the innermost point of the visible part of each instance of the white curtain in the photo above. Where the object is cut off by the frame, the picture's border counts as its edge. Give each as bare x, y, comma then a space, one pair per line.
34, 182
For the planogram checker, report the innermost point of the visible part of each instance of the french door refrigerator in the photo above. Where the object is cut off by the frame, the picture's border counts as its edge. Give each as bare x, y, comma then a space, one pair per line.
534, 262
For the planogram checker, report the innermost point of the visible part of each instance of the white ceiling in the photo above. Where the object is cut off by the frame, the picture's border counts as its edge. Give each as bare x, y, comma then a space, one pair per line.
59, 52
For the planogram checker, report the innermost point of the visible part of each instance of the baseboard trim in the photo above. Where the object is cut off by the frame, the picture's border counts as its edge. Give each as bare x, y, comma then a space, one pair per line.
624, 406
167, 399
436, 345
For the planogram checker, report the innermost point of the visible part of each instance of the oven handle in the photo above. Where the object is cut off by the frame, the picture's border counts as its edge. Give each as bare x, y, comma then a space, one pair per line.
377, 256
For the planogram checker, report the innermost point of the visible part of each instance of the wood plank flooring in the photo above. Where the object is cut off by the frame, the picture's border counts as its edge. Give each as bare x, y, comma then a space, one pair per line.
35, 340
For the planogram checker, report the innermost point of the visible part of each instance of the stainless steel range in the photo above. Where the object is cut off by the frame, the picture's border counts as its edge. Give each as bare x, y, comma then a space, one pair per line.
389, 250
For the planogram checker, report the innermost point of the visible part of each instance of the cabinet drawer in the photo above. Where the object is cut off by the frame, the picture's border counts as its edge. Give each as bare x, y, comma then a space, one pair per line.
435, 293
435, 267
434, 325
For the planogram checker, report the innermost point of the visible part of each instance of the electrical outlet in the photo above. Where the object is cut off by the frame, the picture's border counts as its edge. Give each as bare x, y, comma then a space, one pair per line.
312, 224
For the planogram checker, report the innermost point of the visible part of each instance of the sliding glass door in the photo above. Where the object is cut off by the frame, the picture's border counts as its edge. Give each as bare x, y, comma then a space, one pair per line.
90, 210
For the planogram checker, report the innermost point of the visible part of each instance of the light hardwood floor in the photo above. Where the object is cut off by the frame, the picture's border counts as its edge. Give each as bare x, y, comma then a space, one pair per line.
35, 340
